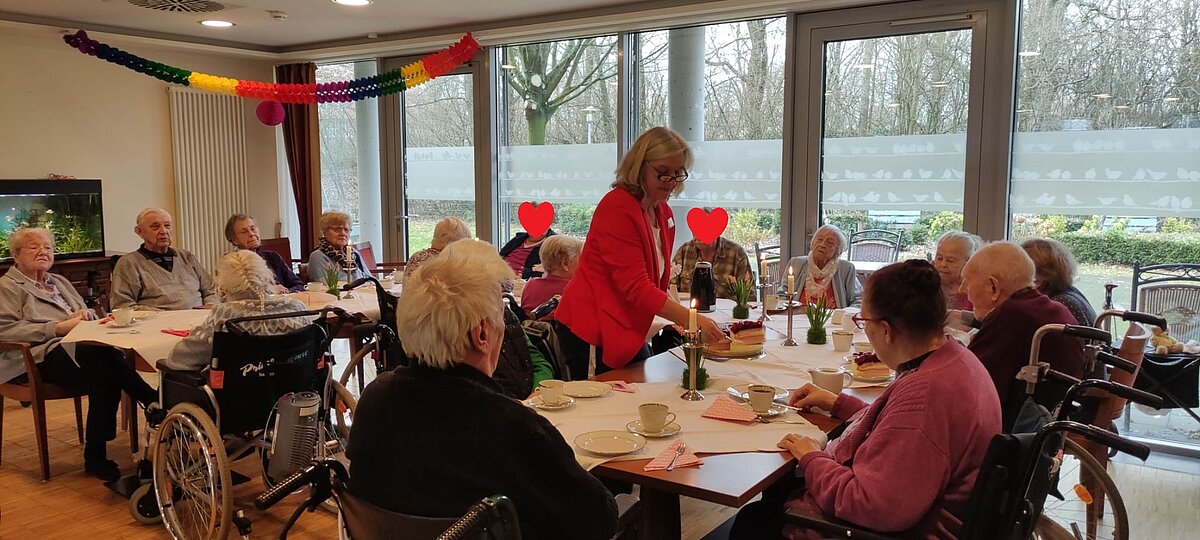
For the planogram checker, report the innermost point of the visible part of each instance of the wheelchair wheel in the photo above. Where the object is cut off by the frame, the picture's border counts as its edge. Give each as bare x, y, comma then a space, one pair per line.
143, 505
1093, 506
191, 475
352, 367
342, 410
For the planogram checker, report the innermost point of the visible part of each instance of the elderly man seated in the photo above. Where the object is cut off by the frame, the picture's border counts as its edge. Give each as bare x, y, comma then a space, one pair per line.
157, 276
434, 438
729, 262
998, 280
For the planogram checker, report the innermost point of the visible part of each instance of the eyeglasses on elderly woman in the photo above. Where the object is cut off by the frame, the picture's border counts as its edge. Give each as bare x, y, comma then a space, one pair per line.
861, 322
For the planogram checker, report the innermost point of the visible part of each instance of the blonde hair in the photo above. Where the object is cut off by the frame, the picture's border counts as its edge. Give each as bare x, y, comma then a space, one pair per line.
446, 297
655, 144
1006, 262
17, 238
558, 250
1054, 265
243, 275
448, 231
332, 218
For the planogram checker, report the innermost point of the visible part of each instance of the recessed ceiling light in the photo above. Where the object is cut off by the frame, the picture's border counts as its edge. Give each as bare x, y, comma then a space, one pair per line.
216, 24
1029, 53
352, 2
1102, 96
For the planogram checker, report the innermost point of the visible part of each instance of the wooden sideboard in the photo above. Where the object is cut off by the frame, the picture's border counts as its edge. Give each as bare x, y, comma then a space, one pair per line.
85, 273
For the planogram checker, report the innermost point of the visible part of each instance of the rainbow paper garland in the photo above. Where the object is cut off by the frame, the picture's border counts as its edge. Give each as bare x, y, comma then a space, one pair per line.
391, 82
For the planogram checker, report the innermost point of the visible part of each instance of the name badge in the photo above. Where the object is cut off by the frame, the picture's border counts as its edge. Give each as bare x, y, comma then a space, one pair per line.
670, 223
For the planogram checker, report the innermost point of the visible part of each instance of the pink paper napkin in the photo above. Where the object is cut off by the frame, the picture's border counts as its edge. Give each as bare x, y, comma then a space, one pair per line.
725, 408
660, 462
622, 386
106, 320
173, 332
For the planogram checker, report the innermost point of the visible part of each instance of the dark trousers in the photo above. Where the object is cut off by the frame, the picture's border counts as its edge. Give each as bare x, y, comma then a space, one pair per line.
104, 372
763, 519
575, 353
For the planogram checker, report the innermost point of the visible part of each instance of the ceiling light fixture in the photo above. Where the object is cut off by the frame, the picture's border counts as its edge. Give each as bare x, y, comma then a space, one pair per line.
1028, 54
352, 2
213, 23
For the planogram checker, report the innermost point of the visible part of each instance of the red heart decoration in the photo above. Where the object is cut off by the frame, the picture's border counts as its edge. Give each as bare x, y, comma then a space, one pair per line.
536, 218
706, 227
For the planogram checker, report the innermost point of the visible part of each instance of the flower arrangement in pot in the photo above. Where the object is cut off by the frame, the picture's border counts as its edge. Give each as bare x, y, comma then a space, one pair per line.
740, 290
818, 314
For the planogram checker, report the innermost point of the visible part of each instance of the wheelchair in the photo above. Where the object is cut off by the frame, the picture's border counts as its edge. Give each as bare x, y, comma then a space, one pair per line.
378, 340
270, 396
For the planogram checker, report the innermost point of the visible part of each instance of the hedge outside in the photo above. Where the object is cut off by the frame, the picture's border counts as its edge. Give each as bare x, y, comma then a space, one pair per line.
1113, 247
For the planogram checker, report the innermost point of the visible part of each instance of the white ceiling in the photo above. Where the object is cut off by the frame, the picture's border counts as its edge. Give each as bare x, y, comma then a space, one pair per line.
308, 22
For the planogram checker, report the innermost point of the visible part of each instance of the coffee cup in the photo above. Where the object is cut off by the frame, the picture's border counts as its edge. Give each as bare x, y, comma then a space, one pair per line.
838, 317
314, 286
863, 346
842, 340
123, 316
761, 397
832, 379
552, 391
771, 302
655, 417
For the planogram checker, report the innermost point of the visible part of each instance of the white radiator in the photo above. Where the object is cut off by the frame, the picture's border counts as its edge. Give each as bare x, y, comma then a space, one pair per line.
208, 138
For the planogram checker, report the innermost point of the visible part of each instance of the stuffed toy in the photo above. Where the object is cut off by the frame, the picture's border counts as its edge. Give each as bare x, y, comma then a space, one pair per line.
1163, 343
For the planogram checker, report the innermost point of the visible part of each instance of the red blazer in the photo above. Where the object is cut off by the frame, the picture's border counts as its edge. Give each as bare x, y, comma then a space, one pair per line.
612, 300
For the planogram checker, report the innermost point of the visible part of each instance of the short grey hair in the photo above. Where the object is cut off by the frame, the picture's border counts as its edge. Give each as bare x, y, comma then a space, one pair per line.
147, 211
1007, 262
450, 230
18, 236
558, 250
972, 241
446, 297
232, 223
244, 275
1055, 266
843, 242
331, 218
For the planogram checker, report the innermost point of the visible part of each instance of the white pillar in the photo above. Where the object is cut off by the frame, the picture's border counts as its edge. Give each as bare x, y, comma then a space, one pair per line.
370, 208
685, 101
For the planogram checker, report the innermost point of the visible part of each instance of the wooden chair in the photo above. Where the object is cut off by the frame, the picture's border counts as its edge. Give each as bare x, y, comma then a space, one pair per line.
368, 255
37, 392
874, 245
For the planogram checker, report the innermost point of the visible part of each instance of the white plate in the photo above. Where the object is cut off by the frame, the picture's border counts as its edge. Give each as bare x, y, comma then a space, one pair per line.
536, 402
669, 430
849, 367
586, 389
725, 355
610, 442
775, 410
742, 392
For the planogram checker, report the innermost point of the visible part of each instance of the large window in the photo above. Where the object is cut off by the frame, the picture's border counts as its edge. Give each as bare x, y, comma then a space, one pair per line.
721, 86
557, 129
349, 154
1106, 149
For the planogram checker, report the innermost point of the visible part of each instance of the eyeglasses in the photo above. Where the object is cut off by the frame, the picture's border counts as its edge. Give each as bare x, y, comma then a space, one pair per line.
669, 178
340, 229
861, 322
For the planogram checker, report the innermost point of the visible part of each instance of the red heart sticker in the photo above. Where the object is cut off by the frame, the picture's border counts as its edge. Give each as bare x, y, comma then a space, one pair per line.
536, 218
707, 226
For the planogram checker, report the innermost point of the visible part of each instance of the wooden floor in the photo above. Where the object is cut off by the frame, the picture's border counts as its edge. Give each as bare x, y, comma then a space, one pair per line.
1162, 504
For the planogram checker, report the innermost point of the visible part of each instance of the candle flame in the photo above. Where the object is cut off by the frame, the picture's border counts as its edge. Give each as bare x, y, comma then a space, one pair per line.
791, 270
695, 303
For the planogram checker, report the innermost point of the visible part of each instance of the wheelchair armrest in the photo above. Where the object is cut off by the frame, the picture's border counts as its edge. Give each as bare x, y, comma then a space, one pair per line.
629, 514
829, 526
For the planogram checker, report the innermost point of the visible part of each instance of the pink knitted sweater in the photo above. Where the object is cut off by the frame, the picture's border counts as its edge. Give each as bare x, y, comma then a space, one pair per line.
908, 461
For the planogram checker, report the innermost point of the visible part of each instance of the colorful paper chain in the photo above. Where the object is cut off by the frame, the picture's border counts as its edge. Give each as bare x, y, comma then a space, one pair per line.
391, 82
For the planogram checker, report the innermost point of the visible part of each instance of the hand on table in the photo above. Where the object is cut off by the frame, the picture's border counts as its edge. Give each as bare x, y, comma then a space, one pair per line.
712, 332
799, 445
279, 289
811, 395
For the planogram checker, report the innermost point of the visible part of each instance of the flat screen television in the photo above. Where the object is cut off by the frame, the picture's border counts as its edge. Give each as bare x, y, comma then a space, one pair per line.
71, 209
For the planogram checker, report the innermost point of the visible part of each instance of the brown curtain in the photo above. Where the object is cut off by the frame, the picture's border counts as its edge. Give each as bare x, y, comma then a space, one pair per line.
302, 143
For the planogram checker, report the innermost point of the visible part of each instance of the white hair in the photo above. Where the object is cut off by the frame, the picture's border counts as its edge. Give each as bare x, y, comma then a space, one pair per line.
971, 241
16, 239
446, 297
450, 230
843, 242
1007, 262
145, 212
558, 250
244, 275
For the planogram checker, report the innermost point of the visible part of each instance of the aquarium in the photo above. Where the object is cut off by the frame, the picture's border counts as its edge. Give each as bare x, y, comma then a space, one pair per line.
71, 209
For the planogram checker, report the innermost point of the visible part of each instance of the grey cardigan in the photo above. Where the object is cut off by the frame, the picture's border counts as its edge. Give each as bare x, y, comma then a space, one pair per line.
319, 263
846, 288
29, 314
138, 282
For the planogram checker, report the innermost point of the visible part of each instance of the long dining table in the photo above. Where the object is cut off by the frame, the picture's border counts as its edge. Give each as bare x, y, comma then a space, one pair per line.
734, 478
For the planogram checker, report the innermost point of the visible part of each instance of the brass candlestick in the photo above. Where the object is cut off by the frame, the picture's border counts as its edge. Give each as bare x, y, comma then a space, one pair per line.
349, 268
789, 342
693, 348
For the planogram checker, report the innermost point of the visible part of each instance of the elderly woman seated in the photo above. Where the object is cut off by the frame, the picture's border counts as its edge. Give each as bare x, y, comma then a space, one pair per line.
560, 259
486, 443
822, 274
907, 462
40, 308
446, 232
1054, 275
954, 249
244, 282
334, 251
242, 232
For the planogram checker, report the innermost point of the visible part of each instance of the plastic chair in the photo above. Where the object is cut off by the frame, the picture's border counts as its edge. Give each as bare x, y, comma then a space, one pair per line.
36, 391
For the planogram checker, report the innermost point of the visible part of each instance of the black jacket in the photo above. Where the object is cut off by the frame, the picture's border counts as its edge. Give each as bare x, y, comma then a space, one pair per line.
431, 442
535, 256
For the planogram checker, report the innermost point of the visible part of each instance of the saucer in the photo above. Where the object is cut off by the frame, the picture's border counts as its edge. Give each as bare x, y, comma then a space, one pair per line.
775, 410
536, 402
668, 430
115, 324
610, 442
586, 389
742, 392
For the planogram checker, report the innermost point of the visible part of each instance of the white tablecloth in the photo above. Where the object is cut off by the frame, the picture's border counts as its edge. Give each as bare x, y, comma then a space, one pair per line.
145, 336
706, 435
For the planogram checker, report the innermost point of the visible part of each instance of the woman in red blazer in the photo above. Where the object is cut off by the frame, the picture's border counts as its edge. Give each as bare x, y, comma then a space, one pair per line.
625, 265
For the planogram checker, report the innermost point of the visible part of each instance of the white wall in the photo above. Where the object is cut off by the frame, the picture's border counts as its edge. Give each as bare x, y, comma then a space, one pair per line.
67, 113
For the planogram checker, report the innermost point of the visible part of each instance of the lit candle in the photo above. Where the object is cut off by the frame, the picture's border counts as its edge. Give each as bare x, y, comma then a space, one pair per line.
692, 317
349, 255
791, 282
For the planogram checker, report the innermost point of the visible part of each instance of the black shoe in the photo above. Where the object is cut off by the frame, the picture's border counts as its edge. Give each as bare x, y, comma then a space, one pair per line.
104, 469
26, 404
155, 414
